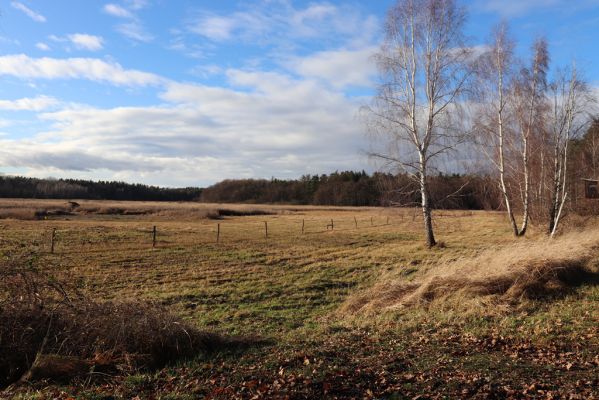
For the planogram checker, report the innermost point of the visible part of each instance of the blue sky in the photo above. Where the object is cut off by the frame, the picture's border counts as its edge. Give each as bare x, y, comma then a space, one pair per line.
187, 93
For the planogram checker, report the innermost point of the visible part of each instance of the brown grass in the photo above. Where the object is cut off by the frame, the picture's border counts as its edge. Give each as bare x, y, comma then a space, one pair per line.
48, 326
35, 209
24, 214
529, 269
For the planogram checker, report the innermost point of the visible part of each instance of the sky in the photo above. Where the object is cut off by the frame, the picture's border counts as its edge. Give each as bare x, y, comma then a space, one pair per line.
190, 92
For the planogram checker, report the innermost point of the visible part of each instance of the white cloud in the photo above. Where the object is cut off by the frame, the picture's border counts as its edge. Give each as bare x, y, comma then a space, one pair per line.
42, 46
135, 31
205, 71
134, 28
256, 124
86, 42
117, 11
274, 22
215, 27
38, 103
266, 124
57, 39
25, 67
339, 68
37, 17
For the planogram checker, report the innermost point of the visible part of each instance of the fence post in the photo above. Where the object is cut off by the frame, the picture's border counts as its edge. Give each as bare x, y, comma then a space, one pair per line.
303, 224
52, 240
371, 223
265, 230
154, 236
356, 222
217, 232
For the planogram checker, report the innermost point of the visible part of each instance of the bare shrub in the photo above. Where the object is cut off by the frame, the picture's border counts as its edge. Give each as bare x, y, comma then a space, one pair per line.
30, 213
41, 316
24, 214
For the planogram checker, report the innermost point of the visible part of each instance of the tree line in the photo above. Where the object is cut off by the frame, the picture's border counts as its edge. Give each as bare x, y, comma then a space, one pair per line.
24, 187
349, 188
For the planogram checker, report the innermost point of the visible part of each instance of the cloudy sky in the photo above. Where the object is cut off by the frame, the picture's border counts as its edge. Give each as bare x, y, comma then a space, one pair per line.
190, 92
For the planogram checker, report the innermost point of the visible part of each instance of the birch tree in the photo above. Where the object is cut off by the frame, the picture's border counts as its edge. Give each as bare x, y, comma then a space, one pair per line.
529, 95
511, 103
570, 101
423, 70
496, 80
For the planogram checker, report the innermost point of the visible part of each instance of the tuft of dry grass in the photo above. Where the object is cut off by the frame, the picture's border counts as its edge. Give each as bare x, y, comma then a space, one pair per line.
508, 275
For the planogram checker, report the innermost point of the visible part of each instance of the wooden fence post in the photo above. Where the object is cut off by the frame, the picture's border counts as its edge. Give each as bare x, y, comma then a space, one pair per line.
371, 223
52, 240
265, 230
356, 222
217, 232
303, 224
154, 236
332, 225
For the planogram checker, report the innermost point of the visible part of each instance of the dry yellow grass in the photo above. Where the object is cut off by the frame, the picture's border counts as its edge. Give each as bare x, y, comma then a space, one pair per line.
289, 286
499, 276
31, 209
247, 282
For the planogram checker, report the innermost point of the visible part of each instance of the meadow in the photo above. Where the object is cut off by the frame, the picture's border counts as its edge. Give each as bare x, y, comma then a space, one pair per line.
357, 310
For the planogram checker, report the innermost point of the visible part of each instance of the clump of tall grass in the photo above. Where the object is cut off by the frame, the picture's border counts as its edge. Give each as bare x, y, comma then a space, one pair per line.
505, 277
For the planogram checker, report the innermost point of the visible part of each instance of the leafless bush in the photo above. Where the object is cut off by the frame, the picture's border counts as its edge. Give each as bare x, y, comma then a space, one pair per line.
40, 316
23, 214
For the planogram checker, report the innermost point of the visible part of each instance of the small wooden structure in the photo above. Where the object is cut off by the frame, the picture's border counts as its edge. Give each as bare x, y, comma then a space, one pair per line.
591, 188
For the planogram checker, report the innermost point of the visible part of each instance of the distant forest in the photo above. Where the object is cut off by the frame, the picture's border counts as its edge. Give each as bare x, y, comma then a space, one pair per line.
351, 188
346, 188
21, 187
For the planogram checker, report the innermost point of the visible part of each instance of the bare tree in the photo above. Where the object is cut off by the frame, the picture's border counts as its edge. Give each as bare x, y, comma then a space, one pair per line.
529, 95
570, 101
496, 79
423, 71
511, 109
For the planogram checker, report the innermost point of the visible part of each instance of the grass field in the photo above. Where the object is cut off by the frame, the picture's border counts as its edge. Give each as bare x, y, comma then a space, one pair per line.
292, 289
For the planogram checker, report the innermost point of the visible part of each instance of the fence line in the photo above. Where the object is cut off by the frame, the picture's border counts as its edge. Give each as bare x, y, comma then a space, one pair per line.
136, 235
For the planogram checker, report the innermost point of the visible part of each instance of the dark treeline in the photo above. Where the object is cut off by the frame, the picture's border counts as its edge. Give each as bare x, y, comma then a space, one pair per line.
350, 188
346, 188
21, 187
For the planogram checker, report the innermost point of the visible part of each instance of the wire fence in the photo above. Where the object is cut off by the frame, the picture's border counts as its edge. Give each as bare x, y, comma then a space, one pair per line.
97, 238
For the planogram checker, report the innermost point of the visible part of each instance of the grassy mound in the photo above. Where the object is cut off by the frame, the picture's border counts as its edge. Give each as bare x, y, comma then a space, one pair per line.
528, 269
49, 330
